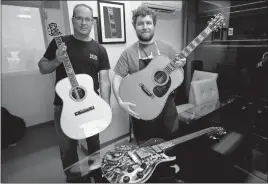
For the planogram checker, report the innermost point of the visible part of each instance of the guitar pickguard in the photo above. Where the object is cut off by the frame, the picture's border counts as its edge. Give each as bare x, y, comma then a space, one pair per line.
130, 164
160, 91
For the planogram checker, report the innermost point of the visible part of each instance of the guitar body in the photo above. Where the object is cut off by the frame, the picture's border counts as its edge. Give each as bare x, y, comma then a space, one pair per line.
85, 116
132, 164
149, 88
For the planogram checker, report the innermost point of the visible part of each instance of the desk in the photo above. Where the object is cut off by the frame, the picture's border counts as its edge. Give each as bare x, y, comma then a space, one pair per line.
203, 159
247, 119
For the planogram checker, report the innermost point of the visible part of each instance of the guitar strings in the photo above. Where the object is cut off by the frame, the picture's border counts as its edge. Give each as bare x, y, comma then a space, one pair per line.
158, 75
185, 138
161, 73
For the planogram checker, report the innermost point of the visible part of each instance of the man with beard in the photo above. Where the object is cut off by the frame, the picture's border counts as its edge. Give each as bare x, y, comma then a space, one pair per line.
135, 58
86, 56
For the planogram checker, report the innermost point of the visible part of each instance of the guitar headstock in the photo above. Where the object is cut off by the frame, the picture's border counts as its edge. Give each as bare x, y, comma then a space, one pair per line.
263, 60
265, 57
53, 29
217, 22
216, 132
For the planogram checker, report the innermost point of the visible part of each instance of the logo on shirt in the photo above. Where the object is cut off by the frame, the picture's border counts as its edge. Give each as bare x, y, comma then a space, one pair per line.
93, 56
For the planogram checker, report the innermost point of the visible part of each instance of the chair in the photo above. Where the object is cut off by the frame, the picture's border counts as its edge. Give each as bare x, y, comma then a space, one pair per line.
203, 89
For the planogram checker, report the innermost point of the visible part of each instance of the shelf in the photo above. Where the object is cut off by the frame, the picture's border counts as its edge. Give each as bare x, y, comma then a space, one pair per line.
237, 10
227, 46
244, 41
237, 43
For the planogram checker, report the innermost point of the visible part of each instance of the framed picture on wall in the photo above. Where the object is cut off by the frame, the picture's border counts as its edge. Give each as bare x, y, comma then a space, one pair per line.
95, 30
112, 22
216, 35
221, 34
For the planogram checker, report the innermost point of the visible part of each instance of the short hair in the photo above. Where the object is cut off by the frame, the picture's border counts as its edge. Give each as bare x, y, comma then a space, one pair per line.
84, 5
143, 11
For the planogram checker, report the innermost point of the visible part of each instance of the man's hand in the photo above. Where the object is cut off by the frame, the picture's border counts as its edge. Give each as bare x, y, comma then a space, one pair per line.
179, 62
126, 107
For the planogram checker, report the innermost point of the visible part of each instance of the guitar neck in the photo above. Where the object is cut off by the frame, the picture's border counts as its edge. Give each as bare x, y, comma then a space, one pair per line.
199, 39
67, 64
189, 49
183, 139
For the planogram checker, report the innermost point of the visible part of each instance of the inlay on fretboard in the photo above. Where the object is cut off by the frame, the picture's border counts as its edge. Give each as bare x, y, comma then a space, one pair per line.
67, 65
180, 140
190, 48
213, 25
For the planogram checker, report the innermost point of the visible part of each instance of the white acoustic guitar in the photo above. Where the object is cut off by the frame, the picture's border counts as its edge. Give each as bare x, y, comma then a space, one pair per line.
149, 88
84, 113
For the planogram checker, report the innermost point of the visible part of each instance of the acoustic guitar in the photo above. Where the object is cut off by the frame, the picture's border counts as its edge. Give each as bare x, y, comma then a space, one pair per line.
150, 87
84, 113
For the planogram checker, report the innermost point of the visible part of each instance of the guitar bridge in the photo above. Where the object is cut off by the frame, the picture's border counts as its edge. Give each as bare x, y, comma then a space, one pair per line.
157, 149
84, 110
133, 157
146, 91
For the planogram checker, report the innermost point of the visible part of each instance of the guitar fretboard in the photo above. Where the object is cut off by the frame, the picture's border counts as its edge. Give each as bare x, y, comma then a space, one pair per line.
189, 49
67, 65
180, 140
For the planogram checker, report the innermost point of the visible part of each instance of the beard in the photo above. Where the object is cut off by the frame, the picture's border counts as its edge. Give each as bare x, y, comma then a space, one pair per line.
145, 38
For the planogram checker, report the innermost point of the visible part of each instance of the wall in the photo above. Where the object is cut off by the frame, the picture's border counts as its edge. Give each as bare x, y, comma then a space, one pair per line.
190, 15
198, 15
28, 94
174, 34
204, 52
1, 61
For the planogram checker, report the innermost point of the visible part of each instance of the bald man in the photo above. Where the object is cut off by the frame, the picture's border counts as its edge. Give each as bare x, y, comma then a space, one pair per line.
86, 56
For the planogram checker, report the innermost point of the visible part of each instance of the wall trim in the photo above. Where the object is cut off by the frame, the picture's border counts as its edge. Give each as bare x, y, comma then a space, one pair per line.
41, 125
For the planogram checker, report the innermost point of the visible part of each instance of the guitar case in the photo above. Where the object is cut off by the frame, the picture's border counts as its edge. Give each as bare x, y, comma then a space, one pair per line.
12, 128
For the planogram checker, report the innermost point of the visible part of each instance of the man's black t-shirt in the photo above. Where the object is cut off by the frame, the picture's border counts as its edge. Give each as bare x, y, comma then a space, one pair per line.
86, 58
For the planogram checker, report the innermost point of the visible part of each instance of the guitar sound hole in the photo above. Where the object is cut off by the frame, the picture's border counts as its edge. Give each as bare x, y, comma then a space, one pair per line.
160, 77
78, 93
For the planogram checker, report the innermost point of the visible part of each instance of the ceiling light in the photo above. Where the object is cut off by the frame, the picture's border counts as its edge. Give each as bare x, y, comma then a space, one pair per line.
24, 16
25, 8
